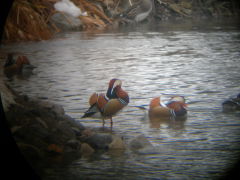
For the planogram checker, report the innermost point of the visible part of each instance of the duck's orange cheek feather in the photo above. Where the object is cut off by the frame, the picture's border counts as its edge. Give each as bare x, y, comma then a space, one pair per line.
176, 106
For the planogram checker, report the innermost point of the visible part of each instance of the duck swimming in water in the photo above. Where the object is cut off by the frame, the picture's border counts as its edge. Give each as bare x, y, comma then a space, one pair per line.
175, 107
18, 66
105, 106
231, 104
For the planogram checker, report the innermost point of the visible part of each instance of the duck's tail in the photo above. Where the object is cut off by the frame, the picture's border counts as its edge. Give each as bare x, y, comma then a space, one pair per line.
91, 111
141, 107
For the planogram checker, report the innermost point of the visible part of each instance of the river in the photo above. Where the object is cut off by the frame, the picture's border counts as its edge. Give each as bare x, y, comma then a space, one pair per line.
200, 62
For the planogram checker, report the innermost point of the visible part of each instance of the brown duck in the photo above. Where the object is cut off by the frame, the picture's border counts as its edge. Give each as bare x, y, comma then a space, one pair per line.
105, 106
17, 66
176, 107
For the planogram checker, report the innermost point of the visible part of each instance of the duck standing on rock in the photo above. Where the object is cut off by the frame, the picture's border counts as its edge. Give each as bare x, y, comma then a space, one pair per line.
231, 104
18, 66
105, 106
139, 11
175, 107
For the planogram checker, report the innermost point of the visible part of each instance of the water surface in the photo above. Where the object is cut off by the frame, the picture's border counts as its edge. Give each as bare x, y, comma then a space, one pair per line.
200, 64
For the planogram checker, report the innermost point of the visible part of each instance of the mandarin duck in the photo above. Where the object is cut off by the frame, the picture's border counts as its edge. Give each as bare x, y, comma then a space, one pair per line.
175, 107
105, 106
18, 66
138, 11
232, 104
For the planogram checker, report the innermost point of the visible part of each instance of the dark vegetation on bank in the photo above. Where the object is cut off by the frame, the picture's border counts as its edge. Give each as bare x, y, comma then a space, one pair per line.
32, 19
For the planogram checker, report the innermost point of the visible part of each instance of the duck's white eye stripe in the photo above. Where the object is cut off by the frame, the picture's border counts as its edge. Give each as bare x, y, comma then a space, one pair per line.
162, 104
106, 98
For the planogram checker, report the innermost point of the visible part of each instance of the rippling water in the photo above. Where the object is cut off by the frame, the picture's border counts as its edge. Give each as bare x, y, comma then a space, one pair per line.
202, 65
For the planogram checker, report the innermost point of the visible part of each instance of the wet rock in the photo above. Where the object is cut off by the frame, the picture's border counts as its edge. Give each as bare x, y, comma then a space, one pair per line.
54, 148
117, 143
15, 129
51, 108
98, 141
73, 145
66, 22
140, 144
62, 133
86, 149
59, 111
76, 126
77, 131
30, 151
87, 133
41, 122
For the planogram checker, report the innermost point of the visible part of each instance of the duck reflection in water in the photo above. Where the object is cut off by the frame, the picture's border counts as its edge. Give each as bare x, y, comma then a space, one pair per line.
172, 113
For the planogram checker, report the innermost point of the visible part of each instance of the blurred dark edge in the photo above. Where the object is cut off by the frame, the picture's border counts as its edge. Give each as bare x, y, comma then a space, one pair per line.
13, 164
12, 161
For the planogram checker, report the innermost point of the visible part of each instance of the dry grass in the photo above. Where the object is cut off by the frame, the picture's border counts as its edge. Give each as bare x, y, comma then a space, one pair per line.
96, 18
30, 19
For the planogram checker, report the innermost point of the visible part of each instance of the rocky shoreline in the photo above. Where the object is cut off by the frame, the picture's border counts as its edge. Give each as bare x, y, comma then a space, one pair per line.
47, 136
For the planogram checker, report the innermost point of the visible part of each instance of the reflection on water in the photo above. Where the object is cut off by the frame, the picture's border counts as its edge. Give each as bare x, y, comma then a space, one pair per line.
202, 65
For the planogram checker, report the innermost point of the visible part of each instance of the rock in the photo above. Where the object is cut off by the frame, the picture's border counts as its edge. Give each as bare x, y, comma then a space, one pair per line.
98, 141
58, 110
140, 144
55, 108
86, 149
73, 145
15, 129
77, 131
87, 133
54, 148
30, 151
62, 133
66, 21
117, 143
43, 123
73, 122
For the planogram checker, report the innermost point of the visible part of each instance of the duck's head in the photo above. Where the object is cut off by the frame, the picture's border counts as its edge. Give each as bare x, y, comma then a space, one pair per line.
177, 103
154, 102
22, 60
114, 84
178, 99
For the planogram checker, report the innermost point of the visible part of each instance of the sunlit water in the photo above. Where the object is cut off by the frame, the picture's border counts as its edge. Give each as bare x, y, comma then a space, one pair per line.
202, 65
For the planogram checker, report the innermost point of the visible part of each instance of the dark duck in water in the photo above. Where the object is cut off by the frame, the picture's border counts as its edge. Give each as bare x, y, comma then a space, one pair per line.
19, 66
231, 104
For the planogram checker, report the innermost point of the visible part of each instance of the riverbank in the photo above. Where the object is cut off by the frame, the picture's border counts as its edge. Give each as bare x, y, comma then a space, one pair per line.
47, 137
39, 20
